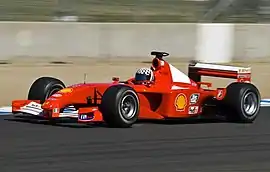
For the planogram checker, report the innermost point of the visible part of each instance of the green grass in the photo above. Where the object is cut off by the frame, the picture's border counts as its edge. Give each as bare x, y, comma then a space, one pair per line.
105, 10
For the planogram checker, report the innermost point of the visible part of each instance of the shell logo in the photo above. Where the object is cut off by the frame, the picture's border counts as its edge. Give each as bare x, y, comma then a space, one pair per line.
180, 102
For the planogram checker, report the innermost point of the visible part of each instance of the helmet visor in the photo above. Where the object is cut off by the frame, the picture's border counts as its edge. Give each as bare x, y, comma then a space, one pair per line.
142, 77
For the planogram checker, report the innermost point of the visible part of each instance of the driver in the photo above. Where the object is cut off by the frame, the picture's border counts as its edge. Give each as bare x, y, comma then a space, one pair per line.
144, 75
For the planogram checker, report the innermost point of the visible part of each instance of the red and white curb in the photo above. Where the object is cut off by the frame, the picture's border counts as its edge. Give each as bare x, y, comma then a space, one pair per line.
265, 103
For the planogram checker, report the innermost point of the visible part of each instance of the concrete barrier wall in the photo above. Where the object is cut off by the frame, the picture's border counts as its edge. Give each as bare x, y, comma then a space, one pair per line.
95, 40
252, 41
120, 40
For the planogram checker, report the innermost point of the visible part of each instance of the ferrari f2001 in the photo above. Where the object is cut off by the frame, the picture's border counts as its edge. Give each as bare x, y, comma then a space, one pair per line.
159, 92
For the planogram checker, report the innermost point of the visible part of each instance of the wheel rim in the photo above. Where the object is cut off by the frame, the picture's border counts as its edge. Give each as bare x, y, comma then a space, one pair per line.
250, 103
128, 107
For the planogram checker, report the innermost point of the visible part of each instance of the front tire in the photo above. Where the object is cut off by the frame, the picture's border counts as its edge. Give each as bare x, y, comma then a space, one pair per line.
120, 106
243, 102
44, 87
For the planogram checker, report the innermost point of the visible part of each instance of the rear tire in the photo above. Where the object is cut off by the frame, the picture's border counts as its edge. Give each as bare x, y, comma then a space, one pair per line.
120, 106
44, 87
242, 102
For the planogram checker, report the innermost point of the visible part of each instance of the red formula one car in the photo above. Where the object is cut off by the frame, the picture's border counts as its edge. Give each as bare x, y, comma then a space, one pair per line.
159, 92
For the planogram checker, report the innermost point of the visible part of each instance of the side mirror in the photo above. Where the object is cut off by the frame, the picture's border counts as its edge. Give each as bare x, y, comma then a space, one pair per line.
116, 79
150, 83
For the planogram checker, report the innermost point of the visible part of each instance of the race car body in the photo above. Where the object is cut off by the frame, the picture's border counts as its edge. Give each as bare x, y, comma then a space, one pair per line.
170, 94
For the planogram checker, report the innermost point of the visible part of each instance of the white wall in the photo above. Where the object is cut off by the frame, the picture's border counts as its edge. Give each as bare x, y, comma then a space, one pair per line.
120, 40
215, 43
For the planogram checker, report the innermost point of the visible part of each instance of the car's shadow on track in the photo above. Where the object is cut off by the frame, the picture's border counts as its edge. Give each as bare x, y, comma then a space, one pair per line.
58, 123
72, 123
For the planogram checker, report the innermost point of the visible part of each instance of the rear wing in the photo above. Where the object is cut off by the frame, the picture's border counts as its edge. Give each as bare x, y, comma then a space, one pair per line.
197, 69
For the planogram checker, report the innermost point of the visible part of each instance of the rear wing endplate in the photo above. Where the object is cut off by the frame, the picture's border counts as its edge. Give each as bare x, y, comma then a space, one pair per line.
197, 69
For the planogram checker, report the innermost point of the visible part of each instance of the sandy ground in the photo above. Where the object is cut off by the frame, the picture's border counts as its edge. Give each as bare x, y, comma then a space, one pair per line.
17, 78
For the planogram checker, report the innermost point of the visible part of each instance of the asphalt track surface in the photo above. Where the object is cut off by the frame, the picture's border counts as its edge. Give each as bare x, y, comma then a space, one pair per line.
158, 147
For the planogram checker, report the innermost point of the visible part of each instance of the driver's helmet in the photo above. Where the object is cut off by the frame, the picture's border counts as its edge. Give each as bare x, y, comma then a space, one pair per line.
144, 74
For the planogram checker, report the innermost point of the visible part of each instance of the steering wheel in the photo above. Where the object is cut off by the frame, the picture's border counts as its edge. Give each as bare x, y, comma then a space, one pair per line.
159, 55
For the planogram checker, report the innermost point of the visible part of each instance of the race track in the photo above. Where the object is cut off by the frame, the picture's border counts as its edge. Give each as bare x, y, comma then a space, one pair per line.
149, 147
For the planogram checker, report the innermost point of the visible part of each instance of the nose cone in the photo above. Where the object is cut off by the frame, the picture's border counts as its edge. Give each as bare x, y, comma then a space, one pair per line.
75, 94
55, 100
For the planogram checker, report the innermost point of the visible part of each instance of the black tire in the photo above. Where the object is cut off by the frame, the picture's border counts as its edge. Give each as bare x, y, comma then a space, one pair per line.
44, 87
111, 106
237, 94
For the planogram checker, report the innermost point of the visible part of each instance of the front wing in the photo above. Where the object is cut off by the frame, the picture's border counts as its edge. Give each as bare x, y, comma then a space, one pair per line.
34, 108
